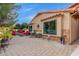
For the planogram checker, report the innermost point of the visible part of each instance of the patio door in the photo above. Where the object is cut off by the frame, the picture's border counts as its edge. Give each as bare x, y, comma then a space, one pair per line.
49, 27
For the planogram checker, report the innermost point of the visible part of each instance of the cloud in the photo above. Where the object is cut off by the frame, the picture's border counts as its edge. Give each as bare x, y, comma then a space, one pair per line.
30, 16
24, 10
26, 19
28, 9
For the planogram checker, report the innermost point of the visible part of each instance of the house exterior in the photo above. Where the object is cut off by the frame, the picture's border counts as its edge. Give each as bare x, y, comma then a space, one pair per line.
58, 23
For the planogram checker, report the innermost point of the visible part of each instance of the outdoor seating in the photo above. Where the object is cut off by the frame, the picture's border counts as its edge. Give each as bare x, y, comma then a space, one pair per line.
32, 35
38, 35
47, 37
44, 37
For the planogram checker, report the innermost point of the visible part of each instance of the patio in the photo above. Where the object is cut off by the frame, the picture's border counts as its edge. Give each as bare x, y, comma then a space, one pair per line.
26, 46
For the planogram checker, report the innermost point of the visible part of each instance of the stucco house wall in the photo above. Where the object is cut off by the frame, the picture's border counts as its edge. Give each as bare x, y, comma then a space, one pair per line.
35, 26
63, 24
74, 29
67, 25
37, 21
74, 23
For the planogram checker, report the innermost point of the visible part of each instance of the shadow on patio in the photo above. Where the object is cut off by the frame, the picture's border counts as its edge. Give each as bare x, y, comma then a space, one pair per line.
76, 42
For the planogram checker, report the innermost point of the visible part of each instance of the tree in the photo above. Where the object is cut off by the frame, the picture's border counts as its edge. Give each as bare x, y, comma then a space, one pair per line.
21, 26
7, 12
24, 25
18, 26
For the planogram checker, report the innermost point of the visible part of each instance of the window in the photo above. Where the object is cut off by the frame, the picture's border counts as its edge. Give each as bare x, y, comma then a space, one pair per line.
50, 27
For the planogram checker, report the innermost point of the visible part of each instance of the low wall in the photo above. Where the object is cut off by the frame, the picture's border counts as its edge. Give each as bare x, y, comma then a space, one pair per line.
57, 38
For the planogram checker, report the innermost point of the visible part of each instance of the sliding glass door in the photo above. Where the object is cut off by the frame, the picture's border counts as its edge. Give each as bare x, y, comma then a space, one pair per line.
50, 27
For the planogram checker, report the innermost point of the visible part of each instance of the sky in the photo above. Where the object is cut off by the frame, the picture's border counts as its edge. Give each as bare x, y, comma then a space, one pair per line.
27, 11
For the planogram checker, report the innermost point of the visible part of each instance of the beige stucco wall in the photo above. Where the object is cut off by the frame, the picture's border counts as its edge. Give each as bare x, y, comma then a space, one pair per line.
67, 27
68, 24
71, 27
34, 26
64, 23
74, 28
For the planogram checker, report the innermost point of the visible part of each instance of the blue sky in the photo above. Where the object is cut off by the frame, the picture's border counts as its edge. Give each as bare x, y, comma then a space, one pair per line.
29, 10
